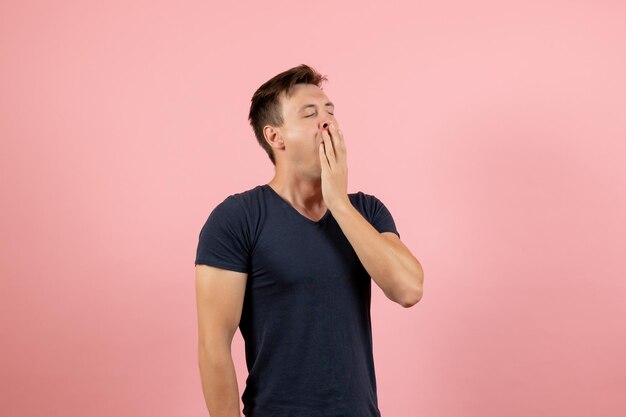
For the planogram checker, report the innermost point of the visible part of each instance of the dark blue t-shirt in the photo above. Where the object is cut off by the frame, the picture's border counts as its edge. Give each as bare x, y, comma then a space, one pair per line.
306, 312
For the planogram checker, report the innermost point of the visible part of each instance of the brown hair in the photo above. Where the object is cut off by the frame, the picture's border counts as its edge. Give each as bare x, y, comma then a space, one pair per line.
266, 108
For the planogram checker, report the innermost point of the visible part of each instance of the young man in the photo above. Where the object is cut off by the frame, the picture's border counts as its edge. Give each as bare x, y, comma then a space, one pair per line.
290, 263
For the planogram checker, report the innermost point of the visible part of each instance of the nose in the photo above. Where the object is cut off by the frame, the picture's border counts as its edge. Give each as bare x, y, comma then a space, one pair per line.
326, 120
326, 123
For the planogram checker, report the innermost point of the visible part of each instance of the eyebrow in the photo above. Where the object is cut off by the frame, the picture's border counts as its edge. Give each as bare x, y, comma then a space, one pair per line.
330, 103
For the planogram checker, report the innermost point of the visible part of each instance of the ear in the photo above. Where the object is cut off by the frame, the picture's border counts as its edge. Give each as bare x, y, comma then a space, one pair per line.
273, 137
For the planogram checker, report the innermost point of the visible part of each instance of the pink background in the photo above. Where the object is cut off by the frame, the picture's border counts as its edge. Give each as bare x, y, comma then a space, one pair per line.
493, 131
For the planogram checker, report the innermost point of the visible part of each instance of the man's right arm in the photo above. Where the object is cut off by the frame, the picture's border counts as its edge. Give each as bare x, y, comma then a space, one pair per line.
219, 299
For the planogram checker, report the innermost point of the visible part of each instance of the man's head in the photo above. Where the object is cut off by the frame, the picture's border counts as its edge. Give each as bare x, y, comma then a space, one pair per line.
288, 114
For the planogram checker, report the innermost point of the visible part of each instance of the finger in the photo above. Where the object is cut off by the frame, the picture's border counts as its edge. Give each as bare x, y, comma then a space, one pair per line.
336, 132
337, 136
342, 143
343, 153
340, 146
323, 159
328, 143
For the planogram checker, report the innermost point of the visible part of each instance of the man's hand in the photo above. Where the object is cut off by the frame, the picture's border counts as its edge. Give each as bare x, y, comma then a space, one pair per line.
333, 159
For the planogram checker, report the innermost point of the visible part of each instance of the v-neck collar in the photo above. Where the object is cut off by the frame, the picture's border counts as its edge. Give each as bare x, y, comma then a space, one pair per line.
321, 220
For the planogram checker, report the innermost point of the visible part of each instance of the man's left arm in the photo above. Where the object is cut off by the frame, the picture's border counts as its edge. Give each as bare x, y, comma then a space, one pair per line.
390, 264
387, 260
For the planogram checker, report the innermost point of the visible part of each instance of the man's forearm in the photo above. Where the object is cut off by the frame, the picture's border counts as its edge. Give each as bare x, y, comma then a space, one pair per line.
219, 382
389, 262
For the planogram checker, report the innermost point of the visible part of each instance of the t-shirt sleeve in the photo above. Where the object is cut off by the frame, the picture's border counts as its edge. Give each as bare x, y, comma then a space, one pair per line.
381, 218
224, 238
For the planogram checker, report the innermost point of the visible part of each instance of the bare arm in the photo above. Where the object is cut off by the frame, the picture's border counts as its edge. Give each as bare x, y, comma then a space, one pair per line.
219, 298
219, 383
387, 260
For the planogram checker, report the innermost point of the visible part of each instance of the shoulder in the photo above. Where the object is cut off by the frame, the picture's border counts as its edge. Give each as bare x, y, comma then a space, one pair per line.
241, 203
233, 218
235, 209
247, 199
361, 196
238, 213
364, 201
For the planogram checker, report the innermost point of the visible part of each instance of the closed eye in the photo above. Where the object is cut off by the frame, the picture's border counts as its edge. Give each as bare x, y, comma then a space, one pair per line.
311, 115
